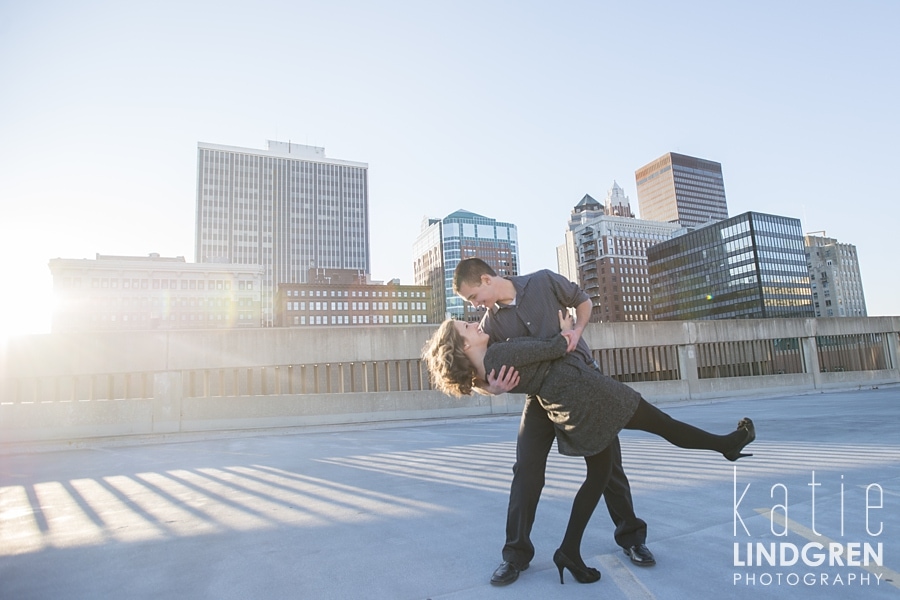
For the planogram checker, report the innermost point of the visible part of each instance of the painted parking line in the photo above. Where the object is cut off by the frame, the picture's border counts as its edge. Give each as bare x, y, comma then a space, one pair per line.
883, 573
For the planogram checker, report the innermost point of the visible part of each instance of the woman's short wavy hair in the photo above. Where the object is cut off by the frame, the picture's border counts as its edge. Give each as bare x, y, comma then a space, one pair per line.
451, 370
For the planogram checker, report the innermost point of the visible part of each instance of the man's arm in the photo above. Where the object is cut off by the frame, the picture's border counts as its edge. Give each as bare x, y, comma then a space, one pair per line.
566, 293
582, 318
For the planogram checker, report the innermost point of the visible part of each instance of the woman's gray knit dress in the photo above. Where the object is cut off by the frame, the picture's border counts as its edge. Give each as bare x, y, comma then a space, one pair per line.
588, 409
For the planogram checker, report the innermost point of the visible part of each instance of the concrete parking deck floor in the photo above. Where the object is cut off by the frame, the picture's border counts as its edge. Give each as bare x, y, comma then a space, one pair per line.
417, 510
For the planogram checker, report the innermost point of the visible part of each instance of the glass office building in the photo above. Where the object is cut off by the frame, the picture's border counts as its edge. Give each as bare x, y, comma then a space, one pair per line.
681, 189
749, 266
442, 243
287, 208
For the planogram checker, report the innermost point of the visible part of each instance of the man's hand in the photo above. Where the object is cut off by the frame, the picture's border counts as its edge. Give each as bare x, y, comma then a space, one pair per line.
502, 382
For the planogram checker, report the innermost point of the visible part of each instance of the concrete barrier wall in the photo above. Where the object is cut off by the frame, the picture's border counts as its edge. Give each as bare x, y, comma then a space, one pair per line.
160, 363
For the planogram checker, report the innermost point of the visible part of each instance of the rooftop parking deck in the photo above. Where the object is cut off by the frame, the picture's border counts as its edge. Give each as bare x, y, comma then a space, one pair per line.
416, 510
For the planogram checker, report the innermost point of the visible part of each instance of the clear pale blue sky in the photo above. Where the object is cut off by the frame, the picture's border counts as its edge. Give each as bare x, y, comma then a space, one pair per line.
513, 110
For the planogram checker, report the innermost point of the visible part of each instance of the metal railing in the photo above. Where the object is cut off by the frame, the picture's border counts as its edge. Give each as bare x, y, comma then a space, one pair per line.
328, 378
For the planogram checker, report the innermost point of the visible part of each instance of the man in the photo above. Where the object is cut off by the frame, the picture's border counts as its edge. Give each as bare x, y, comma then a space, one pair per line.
526, 306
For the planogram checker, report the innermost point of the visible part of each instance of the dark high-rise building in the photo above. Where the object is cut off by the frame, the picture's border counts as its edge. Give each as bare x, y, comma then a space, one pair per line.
287, 208
749, 266
681, 189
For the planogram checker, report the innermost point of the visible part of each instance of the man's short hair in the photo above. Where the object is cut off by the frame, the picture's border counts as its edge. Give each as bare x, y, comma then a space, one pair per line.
469, 271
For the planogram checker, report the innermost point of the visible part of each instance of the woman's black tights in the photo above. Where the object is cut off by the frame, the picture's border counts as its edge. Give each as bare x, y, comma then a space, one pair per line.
599, 466
652, 420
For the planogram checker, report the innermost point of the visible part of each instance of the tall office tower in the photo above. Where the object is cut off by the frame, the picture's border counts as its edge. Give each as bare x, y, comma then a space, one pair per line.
749, 266
287, 208
606, 255
834, 275
682, 189
442, 243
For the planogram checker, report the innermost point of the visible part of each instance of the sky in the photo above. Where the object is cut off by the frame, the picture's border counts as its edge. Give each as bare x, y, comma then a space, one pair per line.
512, 110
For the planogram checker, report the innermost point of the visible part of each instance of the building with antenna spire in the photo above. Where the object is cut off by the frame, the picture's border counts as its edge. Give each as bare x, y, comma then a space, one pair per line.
617, 202
605, 252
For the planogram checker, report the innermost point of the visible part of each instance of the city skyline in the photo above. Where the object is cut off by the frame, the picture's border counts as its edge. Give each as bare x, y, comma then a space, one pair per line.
514, 114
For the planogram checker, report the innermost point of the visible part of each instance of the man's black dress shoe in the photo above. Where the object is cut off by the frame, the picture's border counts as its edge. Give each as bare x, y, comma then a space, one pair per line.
641, 555
506, 573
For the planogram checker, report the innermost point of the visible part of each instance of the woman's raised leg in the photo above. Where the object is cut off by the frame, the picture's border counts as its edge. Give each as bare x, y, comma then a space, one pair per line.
652, 420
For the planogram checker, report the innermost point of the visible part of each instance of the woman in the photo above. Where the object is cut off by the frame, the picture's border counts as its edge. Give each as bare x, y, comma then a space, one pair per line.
588, 409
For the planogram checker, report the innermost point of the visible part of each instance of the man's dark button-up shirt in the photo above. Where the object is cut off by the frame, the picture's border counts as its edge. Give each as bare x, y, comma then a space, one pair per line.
539, 297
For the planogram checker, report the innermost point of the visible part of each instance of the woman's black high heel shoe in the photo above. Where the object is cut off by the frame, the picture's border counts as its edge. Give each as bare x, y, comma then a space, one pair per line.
735, 453
581, 574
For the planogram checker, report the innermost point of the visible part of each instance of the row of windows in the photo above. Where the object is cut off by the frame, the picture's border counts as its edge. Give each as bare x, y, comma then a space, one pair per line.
358, 320
629, 271
156, 284
684, 302
165, 303
633, 313
137, 317
627, 299
695, 197
749, 307
220, 161
292, 305
634, 289
354, 294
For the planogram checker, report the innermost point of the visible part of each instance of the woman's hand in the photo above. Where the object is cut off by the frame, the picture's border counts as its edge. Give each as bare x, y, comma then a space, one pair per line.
567, 329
